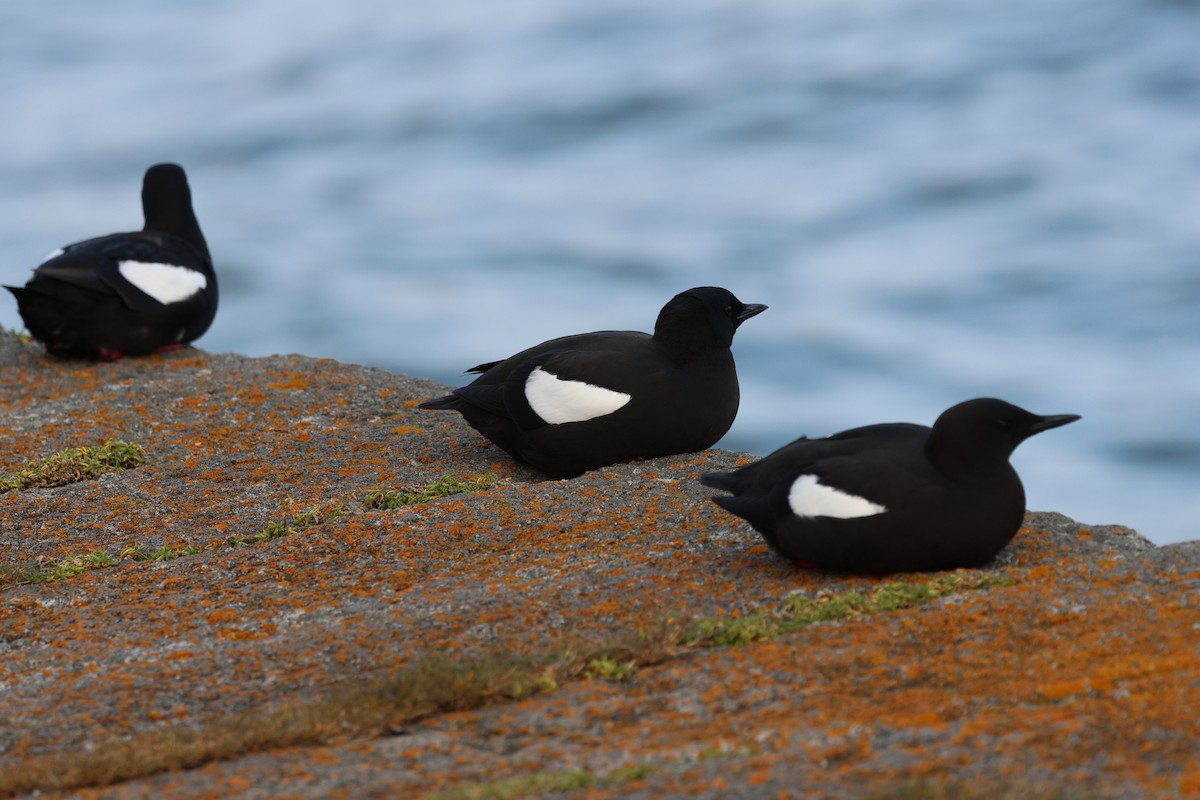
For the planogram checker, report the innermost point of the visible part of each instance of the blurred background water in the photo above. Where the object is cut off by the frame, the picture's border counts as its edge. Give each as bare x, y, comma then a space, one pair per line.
939, 200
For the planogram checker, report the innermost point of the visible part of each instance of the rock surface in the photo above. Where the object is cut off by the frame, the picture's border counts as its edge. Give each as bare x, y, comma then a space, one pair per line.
1083, 674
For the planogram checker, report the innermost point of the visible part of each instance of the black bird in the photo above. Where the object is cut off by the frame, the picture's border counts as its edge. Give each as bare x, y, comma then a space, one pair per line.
127, 293
586, 401
895, 497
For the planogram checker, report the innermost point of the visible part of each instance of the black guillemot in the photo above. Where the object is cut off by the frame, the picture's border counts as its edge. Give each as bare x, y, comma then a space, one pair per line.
894, 497
127, 293
583, 402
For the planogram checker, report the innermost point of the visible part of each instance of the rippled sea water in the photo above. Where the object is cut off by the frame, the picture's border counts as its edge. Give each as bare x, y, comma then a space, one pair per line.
938, 200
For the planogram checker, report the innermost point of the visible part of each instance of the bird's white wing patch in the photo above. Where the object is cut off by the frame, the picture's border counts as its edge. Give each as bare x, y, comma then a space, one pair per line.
166, 283
52, 256
558, 401
810, 498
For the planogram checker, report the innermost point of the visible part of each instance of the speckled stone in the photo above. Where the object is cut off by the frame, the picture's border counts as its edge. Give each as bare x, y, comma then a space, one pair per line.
1083, 673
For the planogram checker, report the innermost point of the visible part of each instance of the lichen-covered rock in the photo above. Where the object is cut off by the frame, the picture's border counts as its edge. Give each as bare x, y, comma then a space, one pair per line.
248, 576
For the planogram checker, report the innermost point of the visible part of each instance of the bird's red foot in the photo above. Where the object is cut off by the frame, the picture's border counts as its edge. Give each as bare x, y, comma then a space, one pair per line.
802, 564
109, 355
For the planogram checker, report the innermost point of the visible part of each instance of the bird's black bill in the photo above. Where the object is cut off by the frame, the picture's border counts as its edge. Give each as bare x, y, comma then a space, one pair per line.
1054, 421
751, 310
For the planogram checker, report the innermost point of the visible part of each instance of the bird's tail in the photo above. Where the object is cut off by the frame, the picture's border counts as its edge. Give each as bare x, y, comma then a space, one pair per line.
720, 480
438, 403
755, 510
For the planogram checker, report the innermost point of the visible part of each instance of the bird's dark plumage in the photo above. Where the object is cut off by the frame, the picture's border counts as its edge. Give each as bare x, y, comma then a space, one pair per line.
894, 497
586, 401
127, 293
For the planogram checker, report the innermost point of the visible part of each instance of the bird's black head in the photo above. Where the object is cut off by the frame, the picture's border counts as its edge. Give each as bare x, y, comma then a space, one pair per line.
702, 319
167, 204
985, 432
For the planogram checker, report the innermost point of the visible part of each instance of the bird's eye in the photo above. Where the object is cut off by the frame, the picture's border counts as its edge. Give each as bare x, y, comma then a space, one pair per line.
729, 310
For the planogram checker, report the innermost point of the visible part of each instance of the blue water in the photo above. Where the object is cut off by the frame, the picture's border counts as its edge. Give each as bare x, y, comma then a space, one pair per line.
939, 200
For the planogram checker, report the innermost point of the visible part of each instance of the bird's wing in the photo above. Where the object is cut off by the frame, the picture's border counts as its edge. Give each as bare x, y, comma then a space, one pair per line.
95, 264
555, 388
849, 486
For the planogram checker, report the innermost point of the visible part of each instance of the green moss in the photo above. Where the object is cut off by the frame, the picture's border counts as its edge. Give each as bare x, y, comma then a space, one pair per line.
541, 784
444, 486
637, 772
610, 668
311, 517
984, 787
710, 753
318, 514
530, 685
733, 631
70, 567
441, 685
800, 611
164, 553
538, 784
73, 465
12, 574
384, 499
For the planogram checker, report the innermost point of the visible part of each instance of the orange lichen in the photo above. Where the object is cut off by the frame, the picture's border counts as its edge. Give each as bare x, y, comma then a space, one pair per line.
1084, 665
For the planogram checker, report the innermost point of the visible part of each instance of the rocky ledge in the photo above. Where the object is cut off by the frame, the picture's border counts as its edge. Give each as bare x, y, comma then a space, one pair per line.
278, 602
